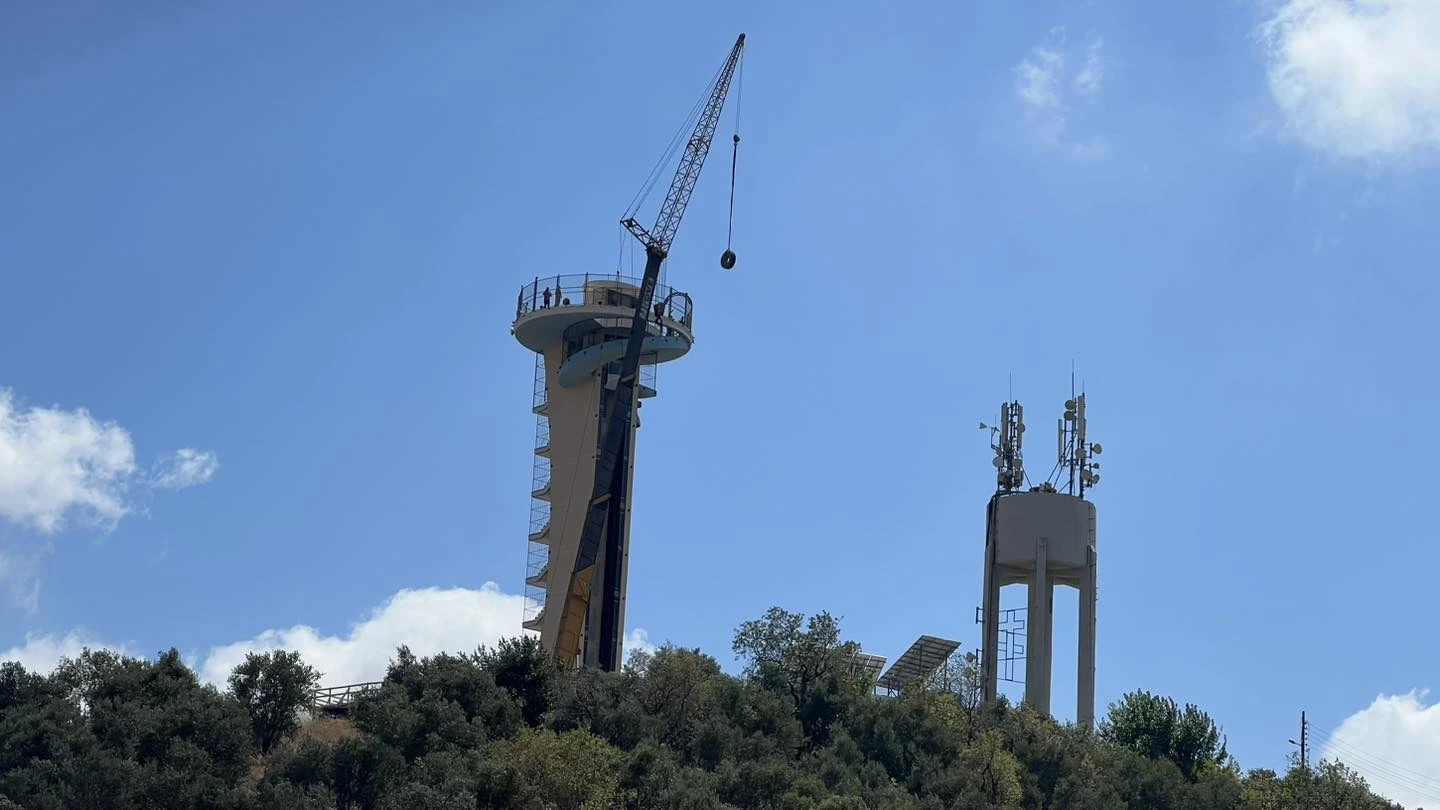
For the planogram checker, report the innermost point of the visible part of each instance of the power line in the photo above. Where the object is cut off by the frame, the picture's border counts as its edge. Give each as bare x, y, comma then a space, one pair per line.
1425, 786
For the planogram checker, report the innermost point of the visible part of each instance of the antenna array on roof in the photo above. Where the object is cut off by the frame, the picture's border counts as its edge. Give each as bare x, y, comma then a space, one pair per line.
1076, 469
1006, 439
1077, 463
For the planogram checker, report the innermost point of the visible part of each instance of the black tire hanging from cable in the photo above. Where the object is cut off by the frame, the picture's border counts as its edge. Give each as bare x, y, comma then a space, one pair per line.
727, 259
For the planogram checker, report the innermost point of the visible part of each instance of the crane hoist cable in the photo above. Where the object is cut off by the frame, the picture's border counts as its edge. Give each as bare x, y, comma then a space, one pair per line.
604, 523
727, 259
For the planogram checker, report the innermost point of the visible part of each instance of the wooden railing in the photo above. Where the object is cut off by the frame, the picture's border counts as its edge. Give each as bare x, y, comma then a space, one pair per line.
338, 699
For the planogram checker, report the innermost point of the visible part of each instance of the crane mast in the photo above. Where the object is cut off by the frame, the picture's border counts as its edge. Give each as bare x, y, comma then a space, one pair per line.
604, 524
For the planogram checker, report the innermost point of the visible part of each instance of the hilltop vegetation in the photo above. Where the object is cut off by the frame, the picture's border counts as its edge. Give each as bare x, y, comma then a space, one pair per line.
503, 728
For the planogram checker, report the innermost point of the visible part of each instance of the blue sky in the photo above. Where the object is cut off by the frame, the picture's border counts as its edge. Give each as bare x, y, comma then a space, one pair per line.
287, 242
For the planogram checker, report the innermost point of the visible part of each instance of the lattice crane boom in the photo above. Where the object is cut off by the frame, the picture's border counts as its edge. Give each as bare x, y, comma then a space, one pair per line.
659, 238
605, 515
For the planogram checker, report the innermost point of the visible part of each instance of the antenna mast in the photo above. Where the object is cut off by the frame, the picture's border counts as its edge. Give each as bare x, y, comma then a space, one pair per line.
1006, 439
1076, 452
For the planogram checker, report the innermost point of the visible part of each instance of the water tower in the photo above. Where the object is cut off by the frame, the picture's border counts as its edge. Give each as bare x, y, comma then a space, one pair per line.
1041, 536
579, 327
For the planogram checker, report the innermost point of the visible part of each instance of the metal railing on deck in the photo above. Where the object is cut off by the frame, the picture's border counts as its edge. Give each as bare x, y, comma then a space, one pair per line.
598, 290
341, 697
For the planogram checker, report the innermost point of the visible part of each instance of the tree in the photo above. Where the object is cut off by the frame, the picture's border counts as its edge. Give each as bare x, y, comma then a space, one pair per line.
674, 687
781, 651
807, 662
442, 702
1332, 784
125, 732
365, 769
273, 687
994, 771
454, 732
571, 771
1156, 727
522, 667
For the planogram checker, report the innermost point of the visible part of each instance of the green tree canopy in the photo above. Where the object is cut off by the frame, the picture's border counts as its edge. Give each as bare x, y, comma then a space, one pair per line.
1156, 727
503, 728
274, 687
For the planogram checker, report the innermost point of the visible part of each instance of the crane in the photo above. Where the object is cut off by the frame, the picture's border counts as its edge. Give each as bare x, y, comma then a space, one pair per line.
605, 515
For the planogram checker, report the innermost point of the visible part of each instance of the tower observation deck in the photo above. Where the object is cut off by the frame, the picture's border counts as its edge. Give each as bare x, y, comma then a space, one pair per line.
578, 326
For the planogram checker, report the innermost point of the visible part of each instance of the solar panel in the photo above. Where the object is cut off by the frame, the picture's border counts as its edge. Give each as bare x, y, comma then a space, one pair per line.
923, 657
869, 665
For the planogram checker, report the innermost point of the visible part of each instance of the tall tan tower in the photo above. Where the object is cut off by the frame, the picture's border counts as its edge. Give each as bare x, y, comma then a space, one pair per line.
1042, 537
579, 327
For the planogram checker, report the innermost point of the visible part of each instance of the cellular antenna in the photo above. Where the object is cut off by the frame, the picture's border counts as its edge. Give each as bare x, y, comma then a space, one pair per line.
1077, 465
1006, 439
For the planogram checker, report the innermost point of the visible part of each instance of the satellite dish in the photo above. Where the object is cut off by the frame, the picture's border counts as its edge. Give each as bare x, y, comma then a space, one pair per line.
1069, 404
1096, 448
997, 462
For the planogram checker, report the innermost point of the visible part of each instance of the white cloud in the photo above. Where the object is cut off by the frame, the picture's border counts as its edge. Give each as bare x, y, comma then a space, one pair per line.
427, 620
638, 639
41, 653
1049, 89
62, 466
56, 463
185, 468
1394, 743
1357, 78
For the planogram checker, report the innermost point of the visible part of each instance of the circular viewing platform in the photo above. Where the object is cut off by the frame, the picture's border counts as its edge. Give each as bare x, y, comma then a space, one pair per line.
591, 315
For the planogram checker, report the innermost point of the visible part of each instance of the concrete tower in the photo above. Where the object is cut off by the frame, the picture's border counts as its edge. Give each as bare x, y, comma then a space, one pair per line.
1041, 538
578, 326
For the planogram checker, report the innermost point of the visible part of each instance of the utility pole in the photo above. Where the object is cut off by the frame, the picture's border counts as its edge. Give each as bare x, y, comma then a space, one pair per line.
1304, 743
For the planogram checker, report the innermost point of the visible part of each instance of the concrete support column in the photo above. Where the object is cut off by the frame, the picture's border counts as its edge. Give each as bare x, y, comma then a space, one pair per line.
1037, 632
990, 627
1085, 676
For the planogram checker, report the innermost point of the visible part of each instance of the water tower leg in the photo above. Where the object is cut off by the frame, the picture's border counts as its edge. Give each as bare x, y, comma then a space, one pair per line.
1085, 681
1037, 633
990, 628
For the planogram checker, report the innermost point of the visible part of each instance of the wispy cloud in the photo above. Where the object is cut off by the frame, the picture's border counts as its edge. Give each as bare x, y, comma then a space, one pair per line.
1051, 82
18, 575
1357, 79
1037, 80
1088, 81
185, 468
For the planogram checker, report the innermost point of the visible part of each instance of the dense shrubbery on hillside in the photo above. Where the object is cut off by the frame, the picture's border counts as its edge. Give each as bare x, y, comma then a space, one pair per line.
502, 728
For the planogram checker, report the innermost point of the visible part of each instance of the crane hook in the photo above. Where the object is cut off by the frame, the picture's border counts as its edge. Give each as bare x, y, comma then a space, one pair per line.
727, 259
